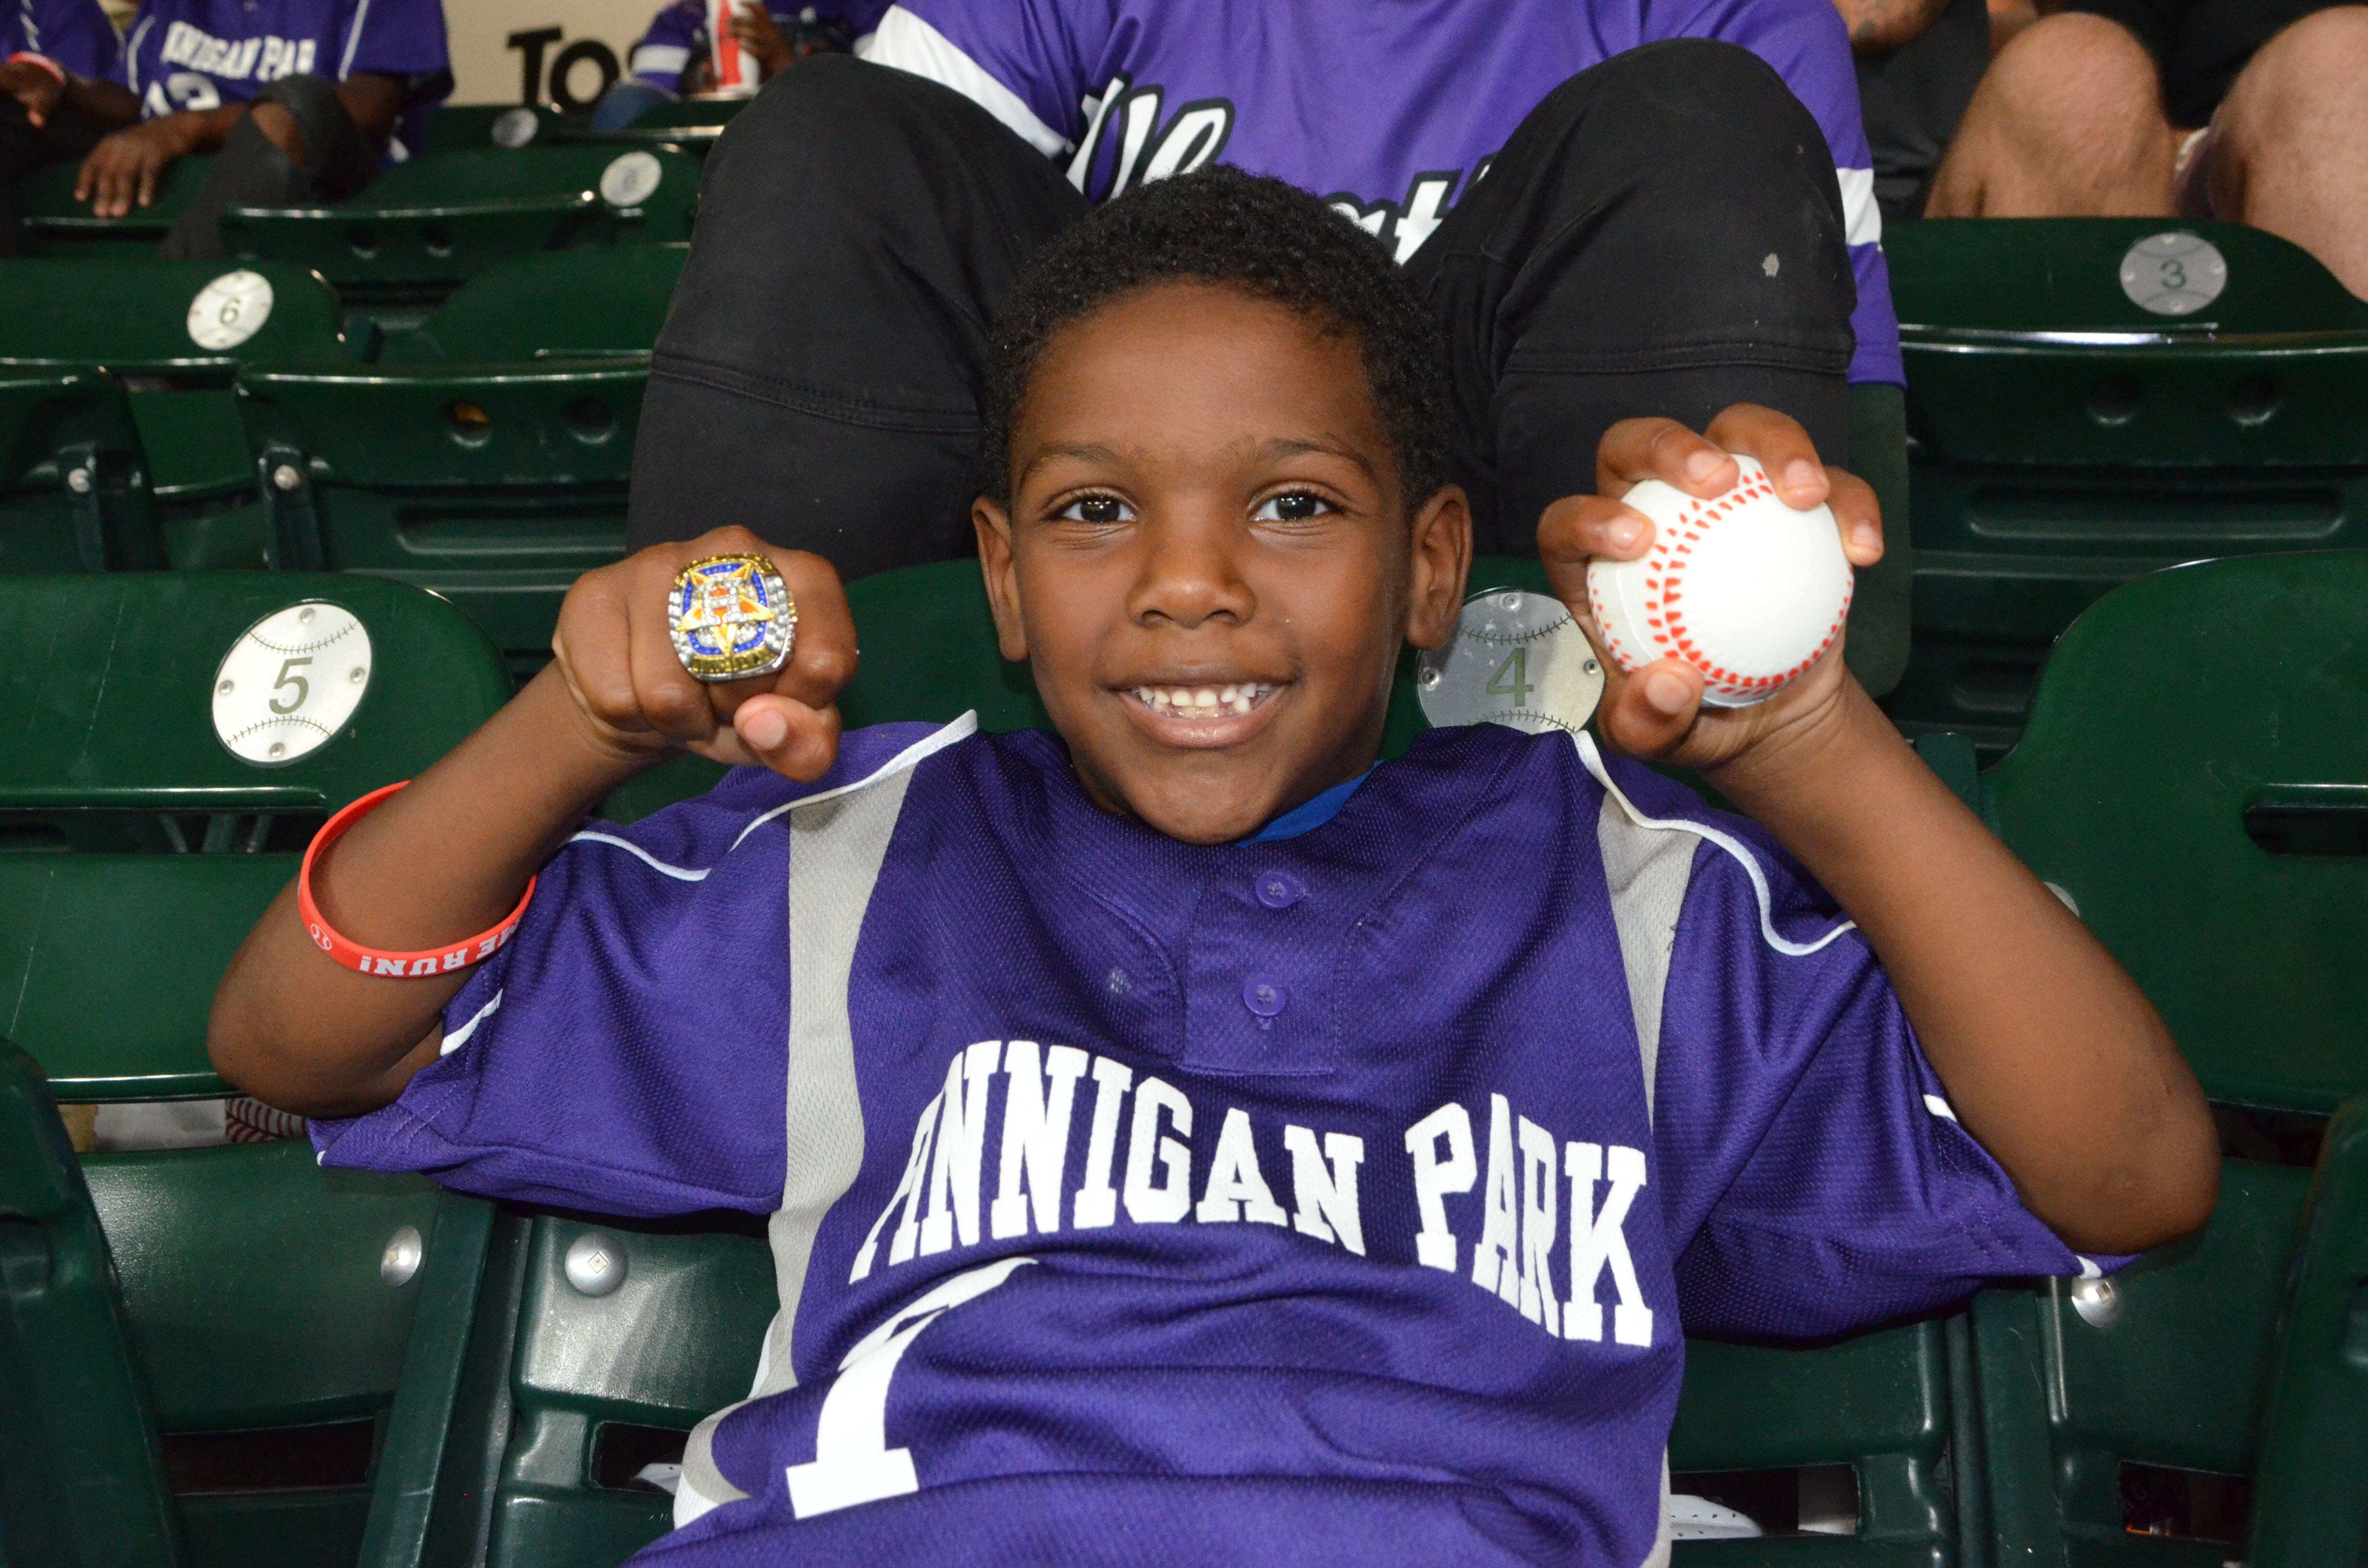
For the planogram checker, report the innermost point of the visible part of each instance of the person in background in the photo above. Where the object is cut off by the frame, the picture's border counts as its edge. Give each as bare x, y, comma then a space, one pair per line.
55, 101
2246, 110
670, 62
300, 100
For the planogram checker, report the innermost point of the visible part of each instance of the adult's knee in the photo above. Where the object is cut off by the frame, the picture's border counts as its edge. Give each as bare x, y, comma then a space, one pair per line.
2076, 80
2307, 73
1700, 98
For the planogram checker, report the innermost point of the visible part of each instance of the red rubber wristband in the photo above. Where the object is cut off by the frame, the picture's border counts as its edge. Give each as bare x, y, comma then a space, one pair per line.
27, 57
370, 961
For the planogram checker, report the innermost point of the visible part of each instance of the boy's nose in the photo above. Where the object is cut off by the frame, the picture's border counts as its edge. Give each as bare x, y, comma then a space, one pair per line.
1192, 572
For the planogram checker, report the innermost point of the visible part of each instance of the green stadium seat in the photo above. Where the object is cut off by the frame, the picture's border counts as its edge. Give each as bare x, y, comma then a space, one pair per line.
57, 225
424, 227
487, 461
74, 486
2189, 778
268, 1302
460, 128
82, 1468
2067, 438
692, 125
140, 318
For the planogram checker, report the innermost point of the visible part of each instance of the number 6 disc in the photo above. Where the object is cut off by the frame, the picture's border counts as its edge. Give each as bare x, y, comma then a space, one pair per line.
290, 681
230, 310
1517, 659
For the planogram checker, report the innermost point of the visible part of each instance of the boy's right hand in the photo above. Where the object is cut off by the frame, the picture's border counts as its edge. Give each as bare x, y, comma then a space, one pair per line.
615, 651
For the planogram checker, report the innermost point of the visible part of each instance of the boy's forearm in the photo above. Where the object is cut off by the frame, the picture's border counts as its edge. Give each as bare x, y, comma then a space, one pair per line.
437, 862
2052, 1056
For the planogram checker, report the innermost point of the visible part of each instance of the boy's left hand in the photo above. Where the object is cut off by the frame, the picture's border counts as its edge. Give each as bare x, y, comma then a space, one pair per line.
1657, 712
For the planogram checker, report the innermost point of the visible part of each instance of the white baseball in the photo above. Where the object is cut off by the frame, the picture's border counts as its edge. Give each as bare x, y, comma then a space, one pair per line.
1741, 586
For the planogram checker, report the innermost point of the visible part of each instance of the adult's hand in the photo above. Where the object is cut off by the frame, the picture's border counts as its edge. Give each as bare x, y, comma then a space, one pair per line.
33, 85
758, 34
121, 171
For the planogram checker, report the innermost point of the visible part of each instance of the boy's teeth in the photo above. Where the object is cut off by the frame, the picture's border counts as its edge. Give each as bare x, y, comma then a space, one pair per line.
1203, 702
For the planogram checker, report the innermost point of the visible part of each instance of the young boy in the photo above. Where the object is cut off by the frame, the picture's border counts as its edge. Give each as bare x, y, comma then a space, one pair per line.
1184, 1140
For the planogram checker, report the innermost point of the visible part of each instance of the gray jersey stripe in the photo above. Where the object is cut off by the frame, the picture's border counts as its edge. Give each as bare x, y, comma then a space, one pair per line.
1648, 870
837, 847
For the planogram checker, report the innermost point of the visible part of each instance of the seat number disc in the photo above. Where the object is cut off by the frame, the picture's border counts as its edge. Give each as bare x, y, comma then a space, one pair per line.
230, 310
290, 681
2173, 274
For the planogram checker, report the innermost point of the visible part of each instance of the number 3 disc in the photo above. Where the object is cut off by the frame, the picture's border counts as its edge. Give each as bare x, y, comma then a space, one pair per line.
1517, 659
290, 681
230, 310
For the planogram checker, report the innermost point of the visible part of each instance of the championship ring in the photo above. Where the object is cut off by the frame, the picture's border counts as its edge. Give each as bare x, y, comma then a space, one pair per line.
731, 618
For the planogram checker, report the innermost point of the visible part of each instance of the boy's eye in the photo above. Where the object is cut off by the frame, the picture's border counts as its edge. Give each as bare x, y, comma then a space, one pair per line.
1096, 509
1292, 506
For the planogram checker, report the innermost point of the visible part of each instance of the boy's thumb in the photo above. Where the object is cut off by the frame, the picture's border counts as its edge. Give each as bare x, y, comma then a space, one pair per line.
787, 736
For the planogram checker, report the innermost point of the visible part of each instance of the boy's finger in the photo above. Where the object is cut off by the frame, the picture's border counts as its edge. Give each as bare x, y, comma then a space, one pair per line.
672, 702
1782, 448
1858, 515
787, 736
590, 645
1638, 450
823, 660
1579, 529
1648, 713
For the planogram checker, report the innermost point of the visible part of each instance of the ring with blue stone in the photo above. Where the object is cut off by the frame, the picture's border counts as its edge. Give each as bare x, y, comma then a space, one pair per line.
732, 617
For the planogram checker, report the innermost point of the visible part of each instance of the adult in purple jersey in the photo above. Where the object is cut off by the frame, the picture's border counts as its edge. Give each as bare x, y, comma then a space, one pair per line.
54, 55
1677, 215
300, 100
671, 60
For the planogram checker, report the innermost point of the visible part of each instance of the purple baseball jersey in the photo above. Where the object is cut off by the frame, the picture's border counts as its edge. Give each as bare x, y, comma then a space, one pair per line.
74, 33
1390, 107
1331, 1198
677, 34
199, 55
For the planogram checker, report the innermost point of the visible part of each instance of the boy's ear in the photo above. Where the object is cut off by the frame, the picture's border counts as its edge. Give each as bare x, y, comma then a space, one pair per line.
1441, 557
994, 526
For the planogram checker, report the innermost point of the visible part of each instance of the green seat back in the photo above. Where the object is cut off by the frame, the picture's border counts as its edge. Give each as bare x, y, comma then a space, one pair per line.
2195, 776
692, 124
421, 227
57, 225
82, 1468
463, 128
558, 305
2067, 441
133, 315
105, 693
496, 487
74, 490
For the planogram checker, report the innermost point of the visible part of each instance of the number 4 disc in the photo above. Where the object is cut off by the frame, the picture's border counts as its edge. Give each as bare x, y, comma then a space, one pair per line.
1517, 659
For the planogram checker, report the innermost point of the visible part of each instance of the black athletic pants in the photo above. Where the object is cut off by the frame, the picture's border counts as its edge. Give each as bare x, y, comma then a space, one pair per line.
1662, 236
24, 147
251, 170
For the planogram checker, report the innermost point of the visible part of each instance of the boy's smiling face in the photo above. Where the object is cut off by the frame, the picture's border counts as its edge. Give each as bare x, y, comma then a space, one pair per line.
1208, 560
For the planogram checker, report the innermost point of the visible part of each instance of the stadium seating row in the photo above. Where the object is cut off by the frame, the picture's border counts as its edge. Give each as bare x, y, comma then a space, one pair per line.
230, 1355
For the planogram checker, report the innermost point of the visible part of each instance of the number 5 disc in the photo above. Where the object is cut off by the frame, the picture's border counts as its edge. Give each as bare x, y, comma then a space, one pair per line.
1517, 659
290, 681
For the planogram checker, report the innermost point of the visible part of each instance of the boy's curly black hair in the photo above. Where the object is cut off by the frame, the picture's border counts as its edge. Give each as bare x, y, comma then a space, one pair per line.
1263, 236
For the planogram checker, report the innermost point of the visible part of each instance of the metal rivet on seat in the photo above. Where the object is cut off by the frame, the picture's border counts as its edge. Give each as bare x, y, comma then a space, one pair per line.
2097, 1302
596, 1264
78, 481
401, 1260
285, 477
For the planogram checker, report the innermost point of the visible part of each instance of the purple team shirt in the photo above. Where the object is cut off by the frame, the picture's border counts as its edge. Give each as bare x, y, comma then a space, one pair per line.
1338, 1199
1391, 107
199, 55
74, 33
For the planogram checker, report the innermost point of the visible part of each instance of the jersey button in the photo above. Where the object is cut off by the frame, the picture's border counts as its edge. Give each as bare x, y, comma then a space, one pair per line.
1265, 998
1280, 890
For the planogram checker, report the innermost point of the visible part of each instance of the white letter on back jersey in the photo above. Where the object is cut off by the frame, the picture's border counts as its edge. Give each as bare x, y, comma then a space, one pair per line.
1327, 1199
1435, 1244
1236, 1189
961, 1139
1598, 1240
1097, 1199
1538, 1185
1035, 1135
1496, 1260
1164, 1204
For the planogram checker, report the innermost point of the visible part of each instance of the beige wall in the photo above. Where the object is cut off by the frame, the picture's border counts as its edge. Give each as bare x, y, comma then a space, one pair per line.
488, 70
